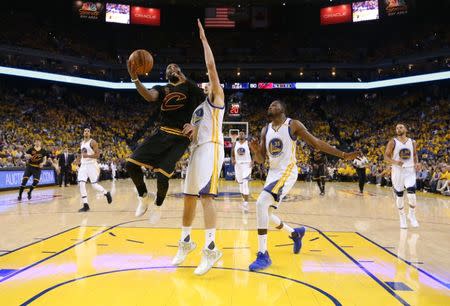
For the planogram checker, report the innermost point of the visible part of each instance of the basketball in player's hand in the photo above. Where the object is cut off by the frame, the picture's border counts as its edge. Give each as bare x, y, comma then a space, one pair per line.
141, 61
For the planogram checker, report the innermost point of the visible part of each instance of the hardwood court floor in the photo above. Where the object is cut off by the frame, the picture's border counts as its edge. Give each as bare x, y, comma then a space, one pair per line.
353, 253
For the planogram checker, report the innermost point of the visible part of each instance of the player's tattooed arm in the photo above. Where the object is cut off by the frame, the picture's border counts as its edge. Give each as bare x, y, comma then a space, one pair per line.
258, 148
216, 93
389, 153
150, 95
299, 130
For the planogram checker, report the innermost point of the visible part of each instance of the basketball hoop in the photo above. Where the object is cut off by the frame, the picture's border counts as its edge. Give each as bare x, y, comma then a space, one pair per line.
231, 130
233, 134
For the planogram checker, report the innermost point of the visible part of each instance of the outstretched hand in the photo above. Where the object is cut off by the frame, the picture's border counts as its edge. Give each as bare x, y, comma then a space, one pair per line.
188, 130
201, 30
132, 70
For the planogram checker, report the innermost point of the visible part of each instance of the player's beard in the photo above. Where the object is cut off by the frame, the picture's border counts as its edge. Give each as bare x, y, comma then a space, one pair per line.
173, 78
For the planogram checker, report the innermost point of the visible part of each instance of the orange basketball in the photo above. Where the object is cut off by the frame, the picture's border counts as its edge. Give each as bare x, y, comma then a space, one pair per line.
143, 61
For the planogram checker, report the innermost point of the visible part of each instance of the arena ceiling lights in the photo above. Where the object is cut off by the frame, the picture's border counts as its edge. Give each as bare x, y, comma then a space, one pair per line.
429, 77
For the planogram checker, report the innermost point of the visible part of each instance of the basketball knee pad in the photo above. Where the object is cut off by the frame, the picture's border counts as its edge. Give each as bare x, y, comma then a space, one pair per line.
411, 190
398, 193
265, 200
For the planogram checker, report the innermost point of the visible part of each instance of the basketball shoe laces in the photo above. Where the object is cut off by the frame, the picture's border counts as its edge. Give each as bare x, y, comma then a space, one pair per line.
210, 255
185, 246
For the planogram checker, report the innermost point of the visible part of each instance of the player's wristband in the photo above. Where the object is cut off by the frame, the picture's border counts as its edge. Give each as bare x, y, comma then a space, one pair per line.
134, 80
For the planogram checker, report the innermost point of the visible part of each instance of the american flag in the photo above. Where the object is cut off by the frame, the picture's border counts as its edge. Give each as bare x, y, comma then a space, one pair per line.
217, 17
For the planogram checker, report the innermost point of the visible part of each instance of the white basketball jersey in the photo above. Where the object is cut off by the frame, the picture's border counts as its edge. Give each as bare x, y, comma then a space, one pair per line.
242, 152
280, 147
208, 119
86, 148
404, 152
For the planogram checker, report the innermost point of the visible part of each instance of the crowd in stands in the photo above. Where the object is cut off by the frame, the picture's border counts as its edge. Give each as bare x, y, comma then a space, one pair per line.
102, 53
367, 123
57, 115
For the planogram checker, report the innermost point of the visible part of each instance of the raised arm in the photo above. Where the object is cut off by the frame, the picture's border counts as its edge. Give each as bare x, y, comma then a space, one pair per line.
150, 95
216, 94
258, 148
300, 131
389, 152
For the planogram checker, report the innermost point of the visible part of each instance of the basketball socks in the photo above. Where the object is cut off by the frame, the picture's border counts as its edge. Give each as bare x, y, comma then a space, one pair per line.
142, 190
210, 237
280, 224
412, 209
21, 192
135, 172
412, 201
319, 184
322, 180
401, 211
186, 233
83, 193
399, 203
162, 185
262, 243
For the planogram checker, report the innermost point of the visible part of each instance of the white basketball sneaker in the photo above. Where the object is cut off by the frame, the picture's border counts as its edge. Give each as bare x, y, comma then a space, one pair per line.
184, 248
403, 223
412, 219
143, 203
155, 214
209, 258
